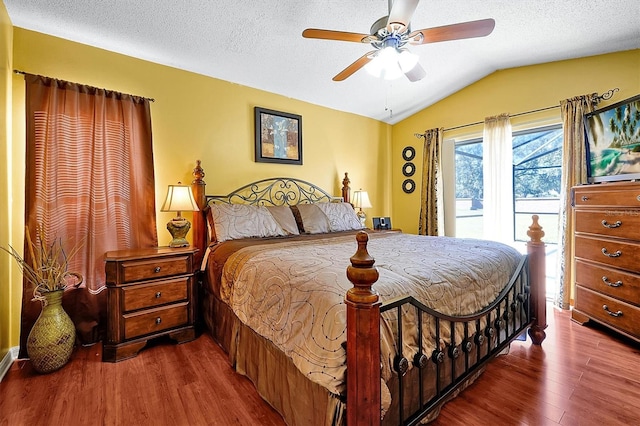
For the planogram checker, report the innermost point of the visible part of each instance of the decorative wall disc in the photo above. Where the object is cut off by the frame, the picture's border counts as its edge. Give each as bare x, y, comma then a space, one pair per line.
408, 169
408, 153
408, 186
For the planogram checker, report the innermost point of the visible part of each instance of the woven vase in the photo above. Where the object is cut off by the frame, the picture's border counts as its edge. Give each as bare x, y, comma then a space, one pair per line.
52, 337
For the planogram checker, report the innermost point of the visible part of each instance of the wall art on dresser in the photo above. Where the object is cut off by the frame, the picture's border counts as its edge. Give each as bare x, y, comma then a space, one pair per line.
278, 137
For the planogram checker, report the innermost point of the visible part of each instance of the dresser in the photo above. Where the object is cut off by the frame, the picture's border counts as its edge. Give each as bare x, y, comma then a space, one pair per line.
150, 293
607, 255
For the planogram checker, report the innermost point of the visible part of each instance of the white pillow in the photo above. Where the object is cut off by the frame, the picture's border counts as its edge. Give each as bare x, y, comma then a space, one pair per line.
341, 216
234, 221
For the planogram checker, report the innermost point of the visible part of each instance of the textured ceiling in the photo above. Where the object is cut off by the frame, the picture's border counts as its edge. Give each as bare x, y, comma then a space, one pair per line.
259, 43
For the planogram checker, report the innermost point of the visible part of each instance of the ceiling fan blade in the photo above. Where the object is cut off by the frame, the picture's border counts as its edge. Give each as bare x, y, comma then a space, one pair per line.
470, 29
335, 35
416, 73
401, 13
359, 63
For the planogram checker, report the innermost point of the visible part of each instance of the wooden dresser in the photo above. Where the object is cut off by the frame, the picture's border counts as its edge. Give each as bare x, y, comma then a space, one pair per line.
607, 255
150, 293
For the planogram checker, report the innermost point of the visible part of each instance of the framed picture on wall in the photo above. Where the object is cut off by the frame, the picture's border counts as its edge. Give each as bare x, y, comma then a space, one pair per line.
278, 137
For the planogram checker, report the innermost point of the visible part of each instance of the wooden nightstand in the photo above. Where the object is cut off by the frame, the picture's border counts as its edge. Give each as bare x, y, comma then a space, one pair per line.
150, 293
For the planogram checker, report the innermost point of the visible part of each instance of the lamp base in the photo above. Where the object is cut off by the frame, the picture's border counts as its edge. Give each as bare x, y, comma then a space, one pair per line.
362, 216
178, 228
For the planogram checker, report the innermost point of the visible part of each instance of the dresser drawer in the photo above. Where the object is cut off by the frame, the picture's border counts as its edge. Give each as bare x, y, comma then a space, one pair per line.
154, 294
155, 320
606, 196
618, 314
615, 283
619, 254
614, 223
136, 270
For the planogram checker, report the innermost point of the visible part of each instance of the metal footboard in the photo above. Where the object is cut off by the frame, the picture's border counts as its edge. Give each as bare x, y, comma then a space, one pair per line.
458, 347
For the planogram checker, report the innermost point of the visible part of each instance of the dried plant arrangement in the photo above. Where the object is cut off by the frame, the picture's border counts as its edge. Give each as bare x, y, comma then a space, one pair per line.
48, 270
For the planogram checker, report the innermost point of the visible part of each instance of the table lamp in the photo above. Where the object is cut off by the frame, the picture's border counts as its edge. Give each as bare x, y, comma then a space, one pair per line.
361, 201
179, 199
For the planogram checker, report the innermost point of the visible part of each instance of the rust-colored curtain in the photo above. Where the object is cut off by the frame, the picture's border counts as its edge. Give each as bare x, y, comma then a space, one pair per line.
89, 181
431, 205
574, 172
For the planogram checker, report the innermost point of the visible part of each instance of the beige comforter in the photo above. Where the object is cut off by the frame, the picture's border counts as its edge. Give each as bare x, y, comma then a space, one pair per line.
292, 293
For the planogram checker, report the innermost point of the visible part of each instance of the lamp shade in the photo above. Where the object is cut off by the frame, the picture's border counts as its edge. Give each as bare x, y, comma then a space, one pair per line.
361, 200
179, 199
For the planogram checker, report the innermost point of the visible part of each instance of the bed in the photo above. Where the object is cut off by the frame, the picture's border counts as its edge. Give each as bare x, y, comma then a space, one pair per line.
290, 291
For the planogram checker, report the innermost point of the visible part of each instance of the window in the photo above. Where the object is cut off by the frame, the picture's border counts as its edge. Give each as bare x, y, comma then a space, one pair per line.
537, 165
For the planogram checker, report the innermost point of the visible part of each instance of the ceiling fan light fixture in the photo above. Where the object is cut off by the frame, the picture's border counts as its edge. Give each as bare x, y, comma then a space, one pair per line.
385, 65
407, 60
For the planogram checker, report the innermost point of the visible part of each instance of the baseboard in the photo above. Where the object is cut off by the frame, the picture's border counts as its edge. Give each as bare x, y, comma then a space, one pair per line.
8, 359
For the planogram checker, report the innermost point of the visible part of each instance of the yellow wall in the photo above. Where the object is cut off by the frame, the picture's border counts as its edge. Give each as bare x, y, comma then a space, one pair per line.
197, 117
6, 40
511, 91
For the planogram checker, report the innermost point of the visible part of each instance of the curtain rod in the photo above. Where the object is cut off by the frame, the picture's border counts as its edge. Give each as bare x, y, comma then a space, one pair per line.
594, 100
142, 97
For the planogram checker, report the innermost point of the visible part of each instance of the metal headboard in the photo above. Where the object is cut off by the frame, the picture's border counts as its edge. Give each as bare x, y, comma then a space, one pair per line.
277, 191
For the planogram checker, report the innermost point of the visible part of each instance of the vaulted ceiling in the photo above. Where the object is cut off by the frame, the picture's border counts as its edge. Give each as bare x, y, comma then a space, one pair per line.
259, 43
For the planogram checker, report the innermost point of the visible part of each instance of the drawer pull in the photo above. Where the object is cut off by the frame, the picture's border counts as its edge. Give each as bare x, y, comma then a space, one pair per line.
157, 269
158, 320
159, 295
613, 314
606, 224
618, 253
610, 284
585, 198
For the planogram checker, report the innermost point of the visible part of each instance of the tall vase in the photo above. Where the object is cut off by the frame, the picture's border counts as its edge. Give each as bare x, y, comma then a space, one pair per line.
52, 337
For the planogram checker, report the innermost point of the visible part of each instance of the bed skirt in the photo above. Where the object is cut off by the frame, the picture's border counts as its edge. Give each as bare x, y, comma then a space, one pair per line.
299, 400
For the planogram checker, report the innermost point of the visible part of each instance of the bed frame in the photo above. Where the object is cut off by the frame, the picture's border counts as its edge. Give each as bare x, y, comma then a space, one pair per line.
520, 307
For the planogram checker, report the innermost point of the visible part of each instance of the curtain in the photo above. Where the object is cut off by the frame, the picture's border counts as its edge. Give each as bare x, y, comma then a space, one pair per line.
431, 203
89, 182
497, 169
574, 172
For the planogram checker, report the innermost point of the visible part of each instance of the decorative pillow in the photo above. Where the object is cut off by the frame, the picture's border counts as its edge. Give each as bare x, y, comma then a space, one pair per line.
341, 216
298, 217
233, 221
314, 220
284, 216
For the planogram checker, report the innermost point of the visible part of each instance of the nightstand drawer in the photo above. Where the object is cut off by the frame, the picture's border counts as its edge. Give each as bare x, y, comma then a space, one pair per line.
154, 294
155, 320
136, 270
608, 310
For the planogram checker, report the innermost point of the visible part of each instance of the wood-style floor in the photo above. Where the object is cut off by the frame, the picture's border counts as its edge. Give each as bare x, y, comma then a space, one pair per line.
580, 376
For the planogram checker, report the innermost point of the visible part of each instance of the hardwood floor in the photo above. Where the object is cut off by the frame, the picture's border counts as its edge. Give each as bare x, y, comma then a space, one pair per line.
580, 376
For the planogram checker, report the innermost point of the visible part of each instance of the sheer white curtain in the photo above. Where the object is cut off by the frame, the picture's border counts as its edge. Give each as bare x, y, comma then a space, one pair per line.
497, 171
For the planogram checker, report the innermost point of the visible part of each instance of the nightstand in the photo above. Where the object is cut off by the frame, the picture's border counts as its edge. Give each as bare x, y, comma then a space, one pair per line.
150, 293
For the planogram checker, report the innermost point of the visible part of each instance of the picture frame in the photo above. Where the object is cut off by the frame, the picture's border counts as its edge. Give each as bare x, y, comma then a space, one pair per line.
278, 137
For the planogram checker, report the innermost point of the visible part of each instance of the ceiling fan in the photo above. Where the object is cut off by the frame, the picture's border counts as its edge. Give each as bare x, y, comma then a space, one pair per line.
390, 34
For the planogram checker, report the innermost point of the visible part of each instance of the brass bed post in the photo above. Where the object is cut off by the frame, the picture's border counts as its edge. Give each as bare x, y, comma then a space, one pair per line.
363, 339
537, 269
198, 186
